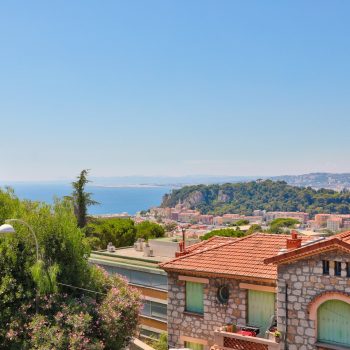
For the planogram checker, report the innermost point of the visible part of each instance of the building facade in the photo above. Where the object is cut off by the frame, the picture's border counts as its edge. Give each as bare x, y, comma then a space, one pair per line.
259, 284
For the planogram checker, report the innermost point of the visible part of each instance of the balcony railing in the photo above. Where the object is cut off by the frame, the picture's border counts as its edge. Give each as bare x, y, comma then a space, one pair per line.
238, 341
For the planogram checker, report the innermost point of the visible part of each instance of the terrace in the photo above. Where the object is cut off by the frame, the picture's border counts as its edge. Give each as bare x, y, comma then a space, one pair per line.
242, 338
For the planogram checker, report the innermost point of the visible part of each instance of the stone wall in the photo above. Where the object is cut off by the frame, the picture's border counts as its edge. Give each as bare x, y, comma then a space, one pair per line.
305, 281
181, 323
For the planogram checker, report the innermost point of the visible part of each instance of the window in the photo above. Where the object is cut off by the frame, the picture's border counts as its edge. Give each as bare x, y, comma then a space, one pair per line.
337, 268
261, 310
154, 309
194, 297
333, 323
325, 265
145, 333
140, 278
193, 346
347, 269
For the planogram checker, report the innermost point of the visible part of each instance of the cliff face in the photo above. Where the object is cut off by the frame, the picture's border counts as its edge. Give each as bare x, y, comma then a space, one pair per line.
223, 197
193, 200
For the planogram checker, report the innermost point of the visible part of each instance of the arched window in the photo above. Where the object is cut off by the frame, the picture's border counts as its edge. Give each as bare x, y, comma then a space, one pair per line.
333, 322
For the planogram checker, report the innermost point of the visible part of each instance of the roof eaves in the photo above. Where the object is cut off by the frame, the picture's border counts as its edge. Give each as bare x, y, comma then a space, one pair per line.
300, 253
199, 273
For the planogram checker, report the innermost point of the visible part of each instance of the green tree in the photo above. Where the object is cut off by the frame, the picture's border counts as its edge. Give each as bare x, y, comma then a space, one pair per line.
171, 226
279, 225
225, 232
254, 228
120, 232
82, 199
242, 222
148, 230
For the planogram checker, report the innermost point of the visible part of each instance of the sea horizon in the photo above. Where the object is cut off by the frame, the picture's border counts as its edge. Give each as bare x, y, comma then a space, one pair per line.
112, 199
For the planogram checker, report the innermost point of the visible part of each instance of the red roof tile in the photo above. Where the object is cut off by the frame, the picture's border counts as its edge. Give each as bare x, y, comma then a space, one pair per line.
209, 243
242, 257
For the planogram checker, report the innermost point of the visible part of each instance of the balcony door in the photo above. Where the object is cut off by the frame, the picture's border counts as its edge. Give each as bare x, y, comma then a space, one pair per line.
261, 308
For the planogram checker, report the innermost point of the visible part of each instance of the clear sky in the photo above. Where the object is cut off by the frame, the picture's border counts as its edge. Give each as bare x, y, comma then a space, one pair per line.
173, 87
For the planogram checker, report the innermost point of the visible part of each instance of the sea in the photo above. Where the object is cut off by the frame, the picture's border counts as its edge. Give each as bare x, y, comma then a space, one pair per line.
125, 199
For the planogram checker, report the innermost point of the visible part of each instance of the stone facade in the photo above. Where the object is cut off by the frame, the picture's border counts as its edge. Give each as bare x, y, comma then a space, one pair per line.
300, 287
182, 323
304, 282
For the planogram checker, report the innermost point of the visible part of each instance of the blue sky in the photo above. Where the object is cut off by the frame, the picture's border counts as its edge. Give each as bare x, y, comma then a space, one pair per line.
173, 87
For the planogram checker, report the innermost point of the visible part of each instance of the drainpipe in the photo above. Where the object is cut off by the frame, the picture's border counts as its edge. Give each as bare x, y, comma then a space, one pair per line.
285, 340
184, 237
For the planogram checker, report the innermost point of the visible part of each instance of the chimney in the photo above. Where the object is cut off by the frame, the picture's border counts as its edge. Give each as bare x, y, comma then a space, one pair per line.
181, 249
294, 242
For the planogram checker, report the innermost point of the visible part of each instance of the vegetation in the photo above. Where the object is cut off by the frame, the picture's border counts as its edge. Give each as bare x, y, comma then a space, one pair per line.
241, 222
83, 308
280, 225
148, 230
120, 232
171, 226
161, 343
225, 232
268, 195
254, 228
277, 226
81, 199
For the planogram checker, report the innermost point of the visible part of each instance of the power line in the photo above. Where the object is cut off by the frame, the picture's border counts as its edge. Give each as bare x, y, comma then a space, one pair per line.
84, 289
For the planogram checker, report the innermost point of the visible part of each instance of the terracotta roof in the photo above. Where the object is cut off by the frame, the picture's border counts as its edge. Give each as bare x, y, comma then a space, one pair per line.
338, 241
239, 258
209, 243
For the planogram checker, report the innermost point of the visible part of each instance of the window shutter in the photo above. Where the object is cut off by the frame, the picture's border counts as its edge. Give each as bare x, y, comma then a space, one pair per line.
333, 322
194, 297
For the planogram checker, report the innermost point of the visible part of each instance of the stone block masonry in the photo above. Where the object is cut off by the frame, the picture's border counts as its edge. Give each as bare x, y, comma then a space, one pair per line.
299, 284
182, 323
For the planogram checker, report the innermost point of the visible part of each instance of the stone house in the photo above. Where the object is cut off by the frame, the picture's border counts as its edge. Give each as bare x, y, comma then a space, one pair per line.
313, 297
252, 282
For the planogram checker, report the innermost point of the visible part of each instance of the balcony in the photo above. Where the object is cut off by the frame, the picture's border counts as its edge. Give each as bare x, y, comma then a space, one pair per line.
230, 340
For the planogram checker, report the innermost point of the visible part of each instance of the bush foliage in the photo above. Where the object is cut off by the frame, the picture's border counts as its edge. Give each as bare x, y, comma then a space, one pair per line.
96, 312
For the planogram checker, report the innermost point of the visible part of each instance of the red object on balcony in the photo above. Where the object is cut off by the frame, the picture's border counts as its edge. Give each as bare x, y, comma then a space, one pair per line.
247, 333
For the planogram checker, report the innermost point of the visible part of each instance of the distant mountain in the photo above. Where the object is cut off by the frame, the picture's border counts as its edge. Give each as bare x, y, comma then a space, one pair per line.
336, 182
268, 195
170, 181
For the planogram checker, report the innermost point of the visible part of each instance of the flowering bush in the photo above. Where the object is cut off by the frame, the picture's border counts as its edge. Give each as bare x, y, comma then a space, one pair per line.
68, 318
83, 323
118, 314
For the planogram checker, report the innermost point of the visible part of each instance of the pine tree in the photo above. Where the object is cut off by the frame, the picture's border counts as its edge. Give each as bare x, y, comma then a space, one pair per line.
82, 199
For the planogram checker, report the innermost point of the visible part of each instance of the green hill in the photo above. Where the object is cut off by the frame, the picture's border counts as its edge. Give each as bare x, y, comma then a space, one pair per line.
267, 195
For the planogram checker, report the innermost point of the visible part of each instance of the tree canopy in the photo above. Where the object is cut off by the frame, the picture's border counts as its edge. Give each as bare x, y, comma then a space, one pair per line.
225, 232
244, 198
148, 230
82, 199
279, 225
119, 231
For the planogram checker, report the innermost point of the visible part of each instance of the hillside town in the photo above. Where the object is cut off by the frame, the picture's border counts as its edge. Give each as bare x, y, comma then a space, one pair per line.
199, 224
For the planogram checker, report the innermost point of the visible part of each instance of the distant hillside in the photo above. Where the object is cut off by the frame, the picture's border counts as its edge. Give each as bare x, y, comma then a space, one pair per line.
267, 195
335, 182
